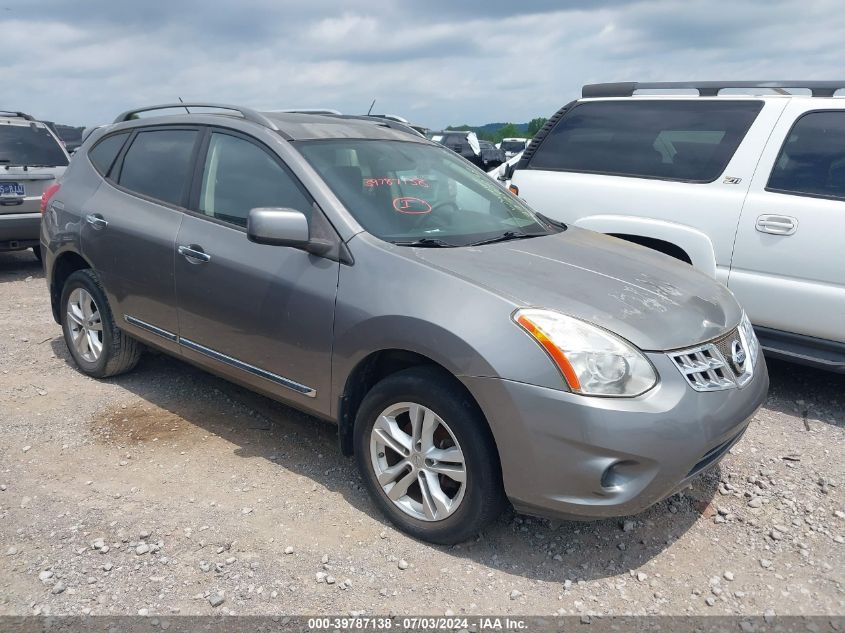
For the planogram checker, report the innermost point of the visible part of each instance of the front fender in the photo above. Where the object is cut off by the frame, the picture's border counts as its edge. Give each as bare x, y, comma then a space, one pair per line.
695, 243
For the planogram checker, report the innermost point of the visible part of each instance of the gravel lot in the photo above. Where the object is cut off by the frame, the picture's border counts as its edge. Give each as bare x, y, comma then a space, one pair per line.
171, 491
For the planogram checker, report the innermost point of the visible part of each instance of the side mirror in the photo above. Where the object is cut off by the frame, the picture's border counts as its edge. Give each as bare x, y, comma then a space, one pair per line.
277, 226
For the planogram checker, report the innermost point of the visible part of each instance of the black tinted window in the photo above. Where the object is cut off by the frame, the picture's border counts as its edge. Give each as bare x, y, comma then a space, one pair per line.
240, 176
671, 140
157, 164
102, 155
29, 145
812, 160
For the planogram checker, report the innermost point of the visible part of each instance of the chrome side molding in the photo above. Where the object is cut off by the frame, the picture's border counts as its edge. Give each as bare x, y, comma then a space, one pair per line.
223, 358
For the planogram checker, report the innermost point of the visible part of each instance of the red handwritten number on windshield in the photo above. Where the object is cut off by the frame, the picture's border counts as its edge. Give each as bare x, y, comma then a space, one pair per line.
411, 206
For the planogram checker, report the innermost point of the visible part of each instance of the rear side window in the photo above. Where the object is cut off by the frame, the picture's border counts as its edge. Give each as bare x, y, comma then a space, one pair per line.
240, 176
158, 163
812, 160
30, 145
690, 141
102, 155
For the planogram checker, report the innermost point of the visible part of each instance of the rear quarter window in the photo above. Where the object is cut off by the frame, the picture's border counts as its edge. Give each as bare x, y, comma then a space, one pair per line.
812, 160
689, 141
102, 155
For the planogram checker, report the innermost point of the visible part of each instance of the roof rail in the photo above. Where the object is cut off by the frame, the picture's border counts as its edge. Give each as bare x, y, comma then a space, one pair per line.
21, 115
706, 88
246, 113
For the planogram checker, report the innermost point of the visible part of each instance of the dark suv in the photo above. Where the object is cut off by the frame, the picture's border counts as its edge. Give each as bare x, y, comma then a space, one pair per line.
470, 350
31, 159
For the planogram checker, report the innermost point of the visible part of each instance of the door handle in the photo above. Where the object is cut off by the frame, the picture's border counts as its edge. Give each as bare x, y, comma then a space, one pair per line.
194, 254
96, 220
777, 224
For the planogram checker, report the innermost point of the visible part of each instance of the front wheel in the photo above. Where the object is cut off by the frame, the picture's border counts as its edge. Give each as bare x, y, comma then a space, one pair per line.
427, 456
99, 348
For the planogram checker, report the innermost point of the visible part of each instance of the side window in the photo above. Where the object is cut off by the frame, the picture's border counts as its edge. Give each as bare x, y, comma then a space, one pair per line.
812, 159
158, 164
690, 141
102, 155
239, 176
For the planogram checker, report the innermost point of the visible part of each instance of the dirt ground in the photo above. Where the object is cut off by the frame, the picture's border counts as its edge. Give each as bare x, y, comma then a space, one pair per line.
168, 491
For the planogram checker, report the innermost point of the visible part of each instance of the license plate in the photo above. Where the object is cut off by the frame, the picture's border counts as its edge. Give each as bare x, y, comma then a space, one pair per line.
11, 190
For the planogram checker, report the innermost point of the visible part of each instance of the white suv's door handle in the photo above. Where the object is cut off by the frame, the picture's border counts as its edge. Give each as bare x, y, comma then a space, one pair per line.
777, 224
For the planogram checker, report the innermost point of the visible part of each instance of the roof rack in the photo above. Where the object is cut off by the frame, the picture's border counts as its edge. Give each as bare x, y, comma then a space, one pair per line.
706, 88
15, 114
246, 113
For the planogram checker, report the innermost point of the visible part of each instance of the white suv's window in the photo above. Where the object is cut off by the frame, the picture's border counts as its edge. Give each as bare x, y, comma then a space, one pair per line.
31, 146
812, 160
690, 141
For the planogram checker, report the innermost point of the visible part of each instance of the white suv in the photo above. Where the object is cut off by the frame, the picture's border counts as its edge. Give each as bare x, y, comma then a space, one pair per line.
748, 187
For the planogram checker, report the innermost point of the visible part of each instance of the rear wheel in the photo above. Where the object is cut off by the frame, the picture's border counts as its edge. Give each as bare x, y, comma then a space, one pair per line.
99, 348
427, 456
36, 250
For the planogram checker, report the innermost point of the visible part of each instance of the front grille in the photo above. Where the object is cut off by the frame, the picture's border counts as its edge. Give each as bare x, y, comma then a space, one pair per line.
710, 367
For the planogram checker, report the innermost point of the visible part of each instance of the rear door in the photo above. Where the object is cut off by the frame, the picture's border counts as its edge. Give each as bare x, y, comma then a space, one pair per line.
130, 227
684, 162
259, 314
788, 268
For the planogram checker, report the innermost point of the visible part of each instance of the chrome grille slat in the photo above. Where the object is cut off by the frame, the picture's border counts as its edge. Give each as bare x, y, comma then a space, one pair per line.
707, 367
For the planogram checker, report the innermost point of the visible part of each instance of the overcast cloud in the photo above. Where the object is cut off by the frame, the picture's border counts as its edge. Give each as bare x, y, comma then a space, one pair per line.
435, 62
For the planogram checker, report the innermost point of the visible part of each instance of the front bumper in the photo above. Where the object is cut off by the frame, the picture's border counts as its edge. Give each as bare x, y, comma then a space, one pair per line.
577, 457
19, 230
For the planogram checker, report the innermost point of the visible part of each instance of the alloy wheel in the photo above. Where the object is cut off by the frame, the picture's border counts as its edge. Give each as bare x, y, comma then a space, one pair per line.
85, 325
418, 461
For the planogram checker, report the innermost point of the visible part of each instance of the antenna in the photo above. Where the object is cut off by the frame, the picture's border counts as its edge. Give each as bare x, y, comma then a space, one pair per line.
371, 107
186, 107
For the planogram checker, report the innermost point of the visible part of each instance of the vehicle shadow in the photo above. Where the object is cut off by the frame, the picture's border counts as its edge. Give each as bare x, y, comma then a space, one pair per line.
539, 549
17, 265
811, 393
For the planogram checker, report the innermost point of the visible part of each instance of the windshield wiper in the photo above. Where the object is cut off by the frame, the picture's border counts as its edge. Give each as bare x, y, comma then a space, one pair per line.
507, 236
426, 242
552, 222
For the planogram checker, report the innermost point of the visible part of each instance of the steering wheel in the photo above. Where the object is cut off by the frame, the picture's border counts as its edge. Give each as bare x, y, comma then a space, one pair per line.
438, 208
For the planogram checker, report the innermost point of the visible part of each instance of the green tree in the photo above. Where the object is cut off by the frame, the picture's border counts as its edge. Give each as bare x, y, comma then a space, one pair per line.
534, 126
508, 130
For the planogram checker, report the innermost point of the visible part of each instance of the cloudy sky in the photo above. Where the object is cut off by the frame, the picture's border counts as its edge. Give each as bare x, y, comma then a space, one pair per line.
435, 62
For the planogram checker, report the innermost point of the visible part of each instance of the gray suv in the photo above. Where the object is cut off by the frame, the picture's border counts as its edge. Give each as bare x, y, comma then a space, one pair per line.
31, 159
470, 351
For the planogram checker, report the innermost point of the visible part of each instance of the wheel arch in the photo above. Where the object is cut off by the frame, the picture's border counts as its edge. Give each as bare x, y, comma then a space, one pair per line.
677, 240
374, 367
64, 265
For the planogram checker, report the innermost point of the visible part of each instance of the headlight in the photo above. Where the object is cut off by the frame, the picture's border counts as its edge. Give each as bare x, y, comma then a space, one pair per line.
592, 360
749, 337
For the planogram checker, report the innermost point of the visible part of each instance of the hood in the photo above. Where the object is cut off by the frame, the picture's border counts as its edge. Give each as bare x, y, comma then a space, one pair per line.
655, 301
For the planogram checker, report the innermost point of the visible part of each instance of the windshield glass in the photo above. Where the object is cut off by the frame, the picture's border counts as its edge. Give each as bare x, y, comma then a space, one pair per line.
25, 145
513, 146
404, 192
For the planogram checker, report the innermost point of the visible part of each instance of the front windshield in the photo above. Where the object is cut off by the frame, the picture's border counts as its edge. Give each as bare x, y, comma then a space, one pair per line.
405, 192
513, 146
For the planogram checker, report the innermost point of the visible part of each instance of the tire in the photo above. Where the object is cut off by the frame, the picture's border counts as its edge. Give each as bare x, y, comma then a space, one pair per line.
36, 250
119, 353
480, 499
